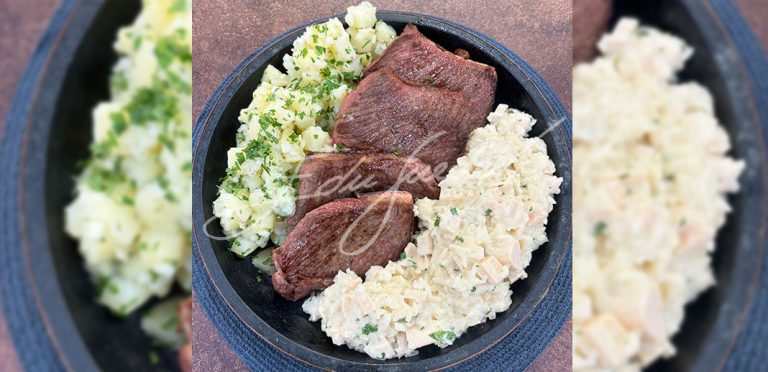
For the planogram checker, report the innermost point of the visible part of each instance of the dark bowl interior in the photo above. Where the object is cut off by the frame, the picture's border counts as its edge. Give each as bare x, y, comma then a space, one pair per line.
61, 126
714, 318
276, 316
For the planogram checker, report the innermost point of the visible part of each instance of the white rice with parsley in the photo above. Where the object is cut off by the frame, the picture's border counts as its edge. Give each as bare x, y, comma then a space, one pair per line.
650, 182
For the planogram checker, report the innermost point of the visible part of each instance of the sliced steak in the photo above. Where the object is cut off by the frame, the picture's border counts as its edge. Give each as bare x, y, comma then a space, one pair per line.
185, 326
374, 229
324, 178
419, 60
387, 114
590, 19
185, 358
185, 317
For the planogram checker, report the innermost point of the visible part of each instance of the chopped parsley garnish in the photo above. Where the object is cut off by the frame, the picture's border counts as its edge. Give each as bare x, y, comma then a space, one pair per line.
454, 212
105, 180
154, 359
398, 152
488, 212
119, 124
460, 239
169, 48
599, 228
437, 221
151, 104
401, 320
178, 6
369, 328
127, 200
118, 82
403, 256
431, 79
319, 49
170, 323
474, 289
168, 195
111, 287
443, 337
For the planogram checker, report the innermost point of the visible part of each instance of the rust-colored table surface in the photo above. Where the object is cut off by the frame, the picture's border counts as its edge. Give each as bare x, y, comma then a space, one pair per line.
228, 30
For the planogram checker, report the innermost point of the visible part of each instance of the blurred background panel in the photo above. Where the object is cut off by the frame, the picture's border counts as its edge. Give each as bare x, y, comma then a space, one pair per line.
79, 55
670, 185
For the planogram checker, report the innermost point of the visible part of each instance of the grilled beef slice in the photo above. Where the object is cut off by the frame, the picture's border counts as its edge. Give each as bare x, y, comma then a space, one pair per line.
387, 114
325, 177
374, 230
419, 60
590, 19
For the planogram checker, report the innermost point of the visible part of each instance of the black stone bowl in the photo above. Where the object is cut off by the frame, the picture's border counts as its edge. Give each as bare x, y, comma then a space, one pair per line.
714, 320
77, 56
282, 323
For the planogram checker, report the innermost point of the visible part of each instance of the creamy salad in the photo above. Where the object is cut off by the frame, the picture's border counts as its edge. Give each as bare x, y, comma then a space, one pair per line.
651, 176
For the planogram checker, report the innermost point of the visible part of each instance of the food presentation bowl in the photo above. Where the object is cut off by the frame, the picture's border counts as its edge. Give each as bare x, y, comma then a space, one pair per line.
281, 323
49, 301
713, 321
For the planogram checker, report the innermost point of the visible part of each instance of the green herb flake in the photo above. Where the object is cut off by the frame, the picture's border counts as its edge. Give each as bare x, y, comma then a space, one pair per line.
398, 152
454, 212
437, 221
599, 228
154, 358
369, 328
170, 323
127, 200
112, 287
403, 255
443, 337
401, 320
319, 49
488, 212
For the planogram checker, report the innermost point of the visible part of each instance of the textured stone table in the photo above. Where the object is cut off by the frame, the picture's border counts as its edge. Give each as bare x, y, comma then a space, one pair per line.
23, 21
